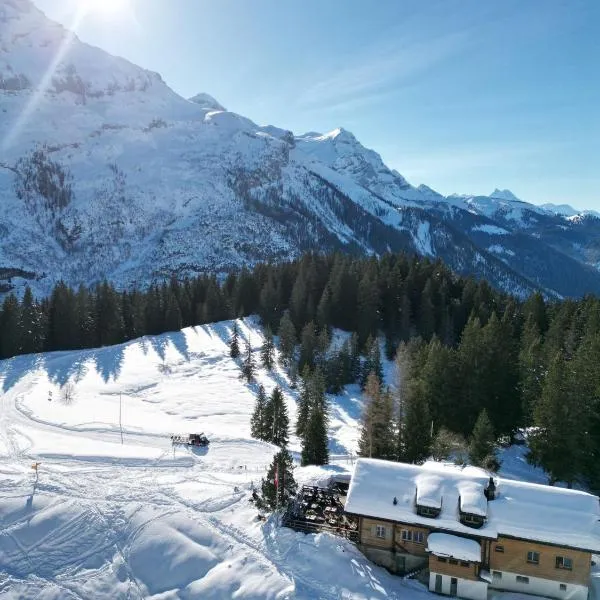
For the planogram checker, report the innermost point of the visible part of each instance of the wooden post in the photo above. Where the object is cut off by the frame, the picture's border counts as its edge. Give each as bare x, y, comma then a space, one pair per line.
120, 424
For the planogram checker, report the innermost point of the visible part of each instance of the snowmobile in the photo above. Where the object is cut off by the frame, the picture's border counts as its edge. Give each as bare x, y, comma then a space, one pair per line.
198, 440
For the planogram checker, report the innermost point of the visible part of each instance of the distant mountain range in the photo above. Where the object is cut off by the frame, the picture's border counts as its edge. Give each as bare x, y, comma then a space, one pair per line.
105, 172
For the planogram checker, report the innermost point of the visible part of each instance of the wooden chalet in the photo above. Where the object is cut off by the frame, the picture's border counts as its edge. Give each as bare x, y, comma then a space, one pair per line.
472, 532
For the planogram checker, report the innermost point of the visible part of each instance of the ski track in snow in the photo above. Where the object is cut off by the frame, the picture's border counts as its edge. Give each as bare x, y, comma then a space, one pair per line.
141, 519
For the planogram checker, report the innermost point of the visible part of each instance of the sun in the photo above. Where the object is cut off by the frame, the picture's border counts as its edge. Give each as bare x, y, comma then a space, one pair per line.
106, 8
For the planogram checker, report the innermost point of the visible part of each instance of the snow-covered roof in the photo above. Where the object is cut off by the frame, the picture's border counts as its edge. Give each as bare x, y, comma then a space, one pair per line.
523, 510
444, 544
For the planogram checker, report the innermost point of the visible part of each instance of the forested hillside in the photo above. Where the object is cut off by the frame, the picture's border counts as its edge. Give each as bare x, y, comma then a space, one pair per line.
462, 347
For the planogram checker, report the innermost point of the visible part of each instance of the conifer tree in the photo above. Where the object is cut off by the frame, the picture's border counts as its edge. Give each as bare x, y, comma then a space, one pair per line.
324, 309
276, 419
258, 423
267, 353
322, 347
417, 423
63, 330
248, 366
314, 441
303, 402
10, 325
308, 346
481, 448
377, 438
173, 318
108, 317
279, 487
234, 341
372, 363
31, 325
556, 443
287, 339
86, 319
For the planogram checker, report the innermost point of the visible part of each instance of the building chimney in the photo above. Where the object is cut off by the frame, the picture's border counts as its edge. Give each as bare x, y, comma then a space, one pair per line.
490, 490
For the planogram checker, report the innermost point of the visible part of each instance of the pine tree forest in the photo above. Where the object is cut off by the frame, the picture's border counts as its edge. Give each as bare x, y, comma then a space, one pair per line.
463, 348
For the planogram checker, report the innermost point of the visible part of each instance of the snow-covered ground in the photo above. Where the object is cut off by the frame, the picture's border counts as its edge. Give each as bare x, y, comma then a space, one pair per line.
131, 517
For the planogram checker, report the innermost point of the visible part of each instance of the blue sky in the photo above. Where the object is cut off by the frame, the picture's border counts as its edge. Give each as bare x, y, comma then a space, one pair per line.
462, 95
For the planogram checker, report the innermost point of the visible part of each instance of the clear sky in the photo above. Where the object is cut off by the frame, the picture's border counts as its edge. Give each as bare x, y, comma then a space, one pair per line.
463, 95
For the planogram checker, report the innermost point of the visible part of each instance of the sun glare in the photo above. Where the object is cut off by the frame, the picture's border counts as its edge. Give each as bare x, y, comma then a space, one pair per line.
107, 8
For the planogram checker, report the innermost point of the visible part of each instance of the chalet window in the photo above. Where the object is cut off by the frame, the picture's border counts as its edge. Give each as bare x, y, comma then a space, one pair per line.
464, 564
441, 559
521, 579
562, 562
406, 535
499, 549
453, 561
380, 532
471, 520
563, 587
533, 557
428, 511
418, 537
497, 575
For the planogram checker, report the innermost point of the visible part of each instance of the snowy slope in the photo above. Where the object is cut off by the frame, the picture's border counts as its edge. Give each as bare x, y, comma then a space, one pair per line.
146, 183
132, 518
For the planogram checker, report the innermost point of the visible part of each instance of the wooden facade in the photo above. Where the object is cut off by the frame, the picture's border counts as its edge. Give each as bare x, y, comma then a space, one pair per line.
454, 568
514, 559
369, 533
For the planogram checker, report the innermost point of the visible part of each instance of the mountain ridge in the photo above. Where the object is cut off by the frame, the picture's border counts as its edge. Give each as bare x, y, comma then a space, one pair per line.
141, 183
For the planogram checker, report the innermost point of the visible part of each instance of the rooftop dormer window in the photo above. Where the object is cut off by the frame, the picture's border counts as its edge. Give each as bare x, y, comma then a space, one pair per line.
428, 511
471, 520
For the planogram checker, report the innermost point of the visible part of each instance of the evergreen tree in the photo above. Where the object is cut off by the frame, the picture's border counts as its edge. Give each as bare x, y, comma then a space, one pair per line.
417, 424
10, 326
322, 347
173, 318
234, 341
279, 487
377, 438
481, 448
308, 346
86, 319
31, 325
258, 424
63, 330
531, 368
368, 304
287, 339
303, 402
276, 419
108, 318
314, 441
556, 443
248, 366
372, 363
267, 353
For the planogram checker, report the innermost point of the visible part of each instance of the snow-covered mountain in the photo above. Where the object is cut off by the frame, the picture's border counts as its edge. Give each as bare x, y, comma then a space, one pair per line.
106, 172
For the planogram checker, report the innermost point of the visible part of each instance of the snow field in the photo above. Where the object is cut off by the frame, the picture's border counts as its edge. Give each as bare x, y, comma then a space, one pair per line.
139, 519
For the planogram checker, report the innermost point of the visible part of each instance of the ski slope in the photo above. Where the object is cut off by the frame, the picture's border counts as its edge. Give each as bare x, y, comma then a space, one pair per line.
125, 515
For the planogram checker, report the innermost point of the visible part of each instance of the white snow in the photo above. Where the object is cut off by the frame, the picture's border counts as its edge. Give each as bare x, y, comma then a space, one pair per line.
136, 519
537, 512
139, 519
491, 229
498, 249
444, 544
